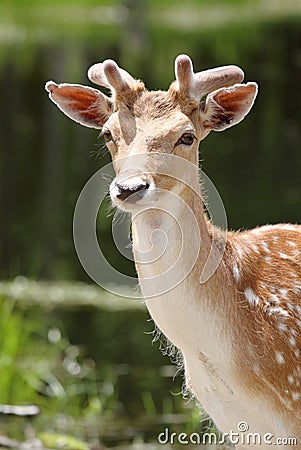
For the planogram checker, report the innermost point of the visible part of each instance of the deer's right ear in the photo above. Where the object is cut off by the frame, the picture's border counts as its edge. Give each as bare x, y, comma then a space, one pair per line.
84, 104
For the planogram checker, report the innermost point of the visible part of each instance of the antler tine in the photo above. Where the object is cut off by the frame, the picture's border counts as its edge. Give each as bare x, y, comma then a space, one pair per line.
184, 73
97, 76
212, 79
201, 83
109, 75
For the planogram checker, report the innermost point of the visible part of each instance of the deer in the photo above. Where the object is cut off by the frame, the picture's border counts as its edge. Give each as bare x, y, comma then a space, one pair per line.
229, 301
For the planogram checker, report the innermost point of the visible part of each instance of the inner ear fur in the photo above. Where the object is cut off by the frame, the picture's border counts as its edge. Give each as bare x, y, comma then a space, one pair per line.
226, 107
83, 104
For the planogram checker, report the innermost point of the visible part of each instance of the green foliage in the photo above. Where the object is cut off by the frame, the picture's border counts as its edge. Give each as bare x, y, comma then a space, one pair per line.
18, 384
110, 3
102, 390
62, 441
38, 365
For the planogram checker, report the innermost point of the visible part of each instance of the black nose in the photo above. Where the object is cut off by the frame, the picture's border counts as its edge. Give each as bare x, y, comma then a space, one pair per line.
135, 192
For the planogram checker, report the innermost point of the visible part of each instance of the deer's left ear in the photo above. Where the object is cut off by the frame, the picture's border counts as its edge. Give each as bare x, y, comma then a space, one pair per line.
228, 106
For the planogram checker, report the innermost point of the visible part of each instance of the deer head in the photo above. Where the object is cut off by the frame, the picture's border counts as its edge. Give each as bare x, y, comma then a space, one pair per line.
151, 124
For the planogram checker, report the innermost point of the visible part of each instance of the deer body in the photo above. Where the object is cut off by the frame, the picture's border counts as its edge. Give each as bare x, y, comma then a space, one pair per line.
230, 302
201, 325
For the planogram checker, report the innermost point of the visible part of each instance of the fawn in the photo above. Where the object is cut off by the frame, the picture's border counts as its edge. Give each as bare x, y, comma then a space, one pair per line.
229, 301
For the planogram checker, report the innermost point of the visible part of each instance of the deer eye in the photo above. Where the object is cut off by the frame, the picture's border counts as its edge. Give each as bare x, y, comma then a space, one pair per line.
106, 135
186, 139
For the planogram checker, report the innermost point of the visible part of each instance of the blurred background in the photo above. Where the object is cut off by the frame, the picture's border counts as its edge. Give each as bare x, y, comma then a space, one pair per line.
82, 355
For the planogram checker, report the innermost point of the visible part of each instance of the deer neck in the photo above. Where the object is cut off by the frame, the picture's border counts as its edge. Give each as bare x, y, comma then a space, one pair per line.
171, 232
171, 245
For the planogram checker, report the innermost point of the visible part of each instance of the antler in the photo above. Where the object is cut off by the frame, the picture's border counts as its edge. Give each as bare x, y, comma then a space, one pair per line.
109, 75
198, 84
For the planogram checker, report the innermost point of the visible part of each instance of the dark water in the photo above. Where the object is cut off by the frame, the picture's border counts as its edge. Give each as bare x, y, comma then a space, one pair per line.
46, 159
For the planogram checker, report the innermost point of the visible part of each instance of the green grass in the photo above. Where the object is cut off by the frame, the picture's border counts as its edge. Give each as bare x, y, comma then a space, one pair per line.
62, 441
78, 396
38, 365
14, 343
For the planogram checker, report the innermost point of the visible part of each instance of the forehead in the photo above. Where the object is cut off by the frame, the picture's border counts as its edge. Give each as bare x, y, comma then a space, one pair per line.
155, 104
155, 110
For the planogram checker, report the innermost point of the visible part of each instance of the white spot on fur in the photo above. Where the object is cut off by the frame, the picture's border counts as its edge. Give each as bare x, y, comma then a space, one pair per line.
273, 289
265, 247
251, 297
290, 379
295, 396
292, 341
236, 272
278, 310
282, 326
283, 292
296, 290
279, 357
283, 255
